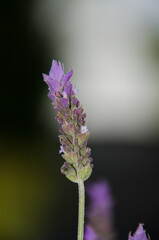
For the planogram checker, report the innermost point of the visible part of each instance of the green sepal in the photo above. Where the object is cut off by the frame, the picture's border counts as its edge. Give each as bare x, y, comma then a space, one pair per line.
82, 137
84, 160
68, 128
85, 151
85, 172
66, 141
72, 178
70, 172
71, 157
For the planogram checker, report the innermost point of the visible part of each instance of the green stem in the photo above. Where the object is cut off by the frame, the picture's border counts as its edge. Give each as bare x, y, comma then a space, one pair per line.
81, 209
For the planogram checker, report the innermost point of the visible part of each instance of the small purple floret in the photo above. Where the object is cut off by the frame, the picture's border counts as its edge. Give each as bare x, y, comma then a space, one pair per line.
140, 234
61, 149
84, 129
64, 94
75, 90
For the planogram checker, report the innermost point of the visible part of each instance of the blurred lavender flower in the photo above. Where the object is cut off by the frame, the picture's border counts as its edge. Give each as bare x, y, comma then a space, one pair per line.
70, 116
90, 234
100, 215
100, 212
140, 234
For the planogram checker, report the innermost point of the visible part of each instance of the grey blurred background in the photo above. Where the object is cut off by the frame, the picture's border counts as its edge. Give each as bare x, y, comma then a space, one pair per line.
113, 48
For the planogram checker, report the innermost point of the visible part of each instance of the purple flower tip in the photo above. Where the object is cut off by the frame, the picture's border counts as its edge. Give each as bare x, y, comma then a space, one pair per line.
56, 71
57, 81
140, 234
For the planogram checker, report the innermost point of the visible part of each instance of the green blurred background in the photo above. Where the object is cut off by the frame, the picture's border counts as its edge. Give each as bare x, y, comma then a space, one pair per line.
36, 201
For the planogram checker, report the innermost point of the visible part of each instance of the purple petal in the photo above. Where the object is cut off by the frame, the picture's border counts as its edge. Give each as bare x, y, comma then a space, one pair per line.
75, 90
56, 71
77, 111
75, 100
60, 121
51, 96
48, 80
64, 102
84, 129
45, 77
130, 237
84, 115
54, 85
64, 94
139, 234
61, 149
66, 77
68, 89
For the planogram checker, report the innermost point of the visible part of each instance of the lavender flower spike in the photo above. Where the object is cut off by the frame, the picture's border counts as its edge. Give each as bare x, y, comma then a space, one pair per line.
70, 116
139, 234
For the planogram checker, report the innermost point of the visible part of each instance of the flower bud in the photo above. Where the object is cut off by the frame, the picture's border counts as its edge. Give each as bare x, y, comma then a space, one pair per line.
83, 137
71, 157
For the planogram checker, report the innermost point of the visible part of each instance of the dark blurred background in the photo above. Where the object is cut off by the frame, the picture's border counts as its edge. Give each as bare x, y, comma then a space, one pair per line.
92, 37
